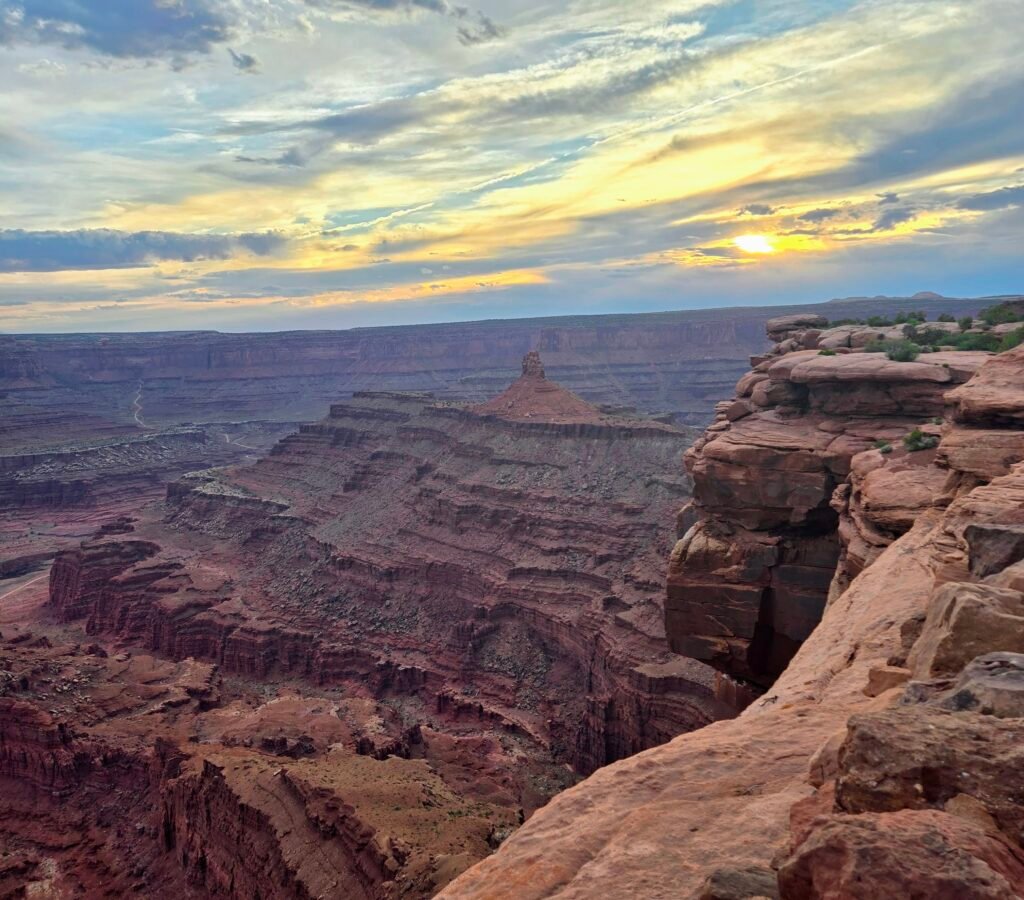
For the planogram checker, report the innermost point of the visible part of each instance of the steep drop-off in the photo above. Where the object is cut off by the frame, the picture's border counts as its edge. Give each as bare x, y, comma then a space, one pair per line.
885, 760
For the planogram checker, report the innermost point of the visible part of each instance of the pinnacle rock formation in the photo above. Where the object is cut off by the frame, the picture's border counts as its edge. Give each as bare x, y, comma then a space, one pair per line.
532, 396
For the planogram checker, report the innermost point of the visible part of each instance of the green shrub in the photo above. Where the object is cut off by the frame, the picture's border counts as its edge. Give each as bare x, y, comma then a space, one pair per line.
918, 440
945, 317
963, 341
879, 321
897, 351
915, 317
1001, 313
1011, 340
826, 352
883, 446
966, 322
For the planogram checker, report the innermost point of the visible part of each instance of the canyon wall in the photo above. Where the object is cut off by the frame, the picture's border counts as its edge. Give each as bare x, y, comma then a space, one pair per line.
677, 362
884, 760
355, 666
503, 559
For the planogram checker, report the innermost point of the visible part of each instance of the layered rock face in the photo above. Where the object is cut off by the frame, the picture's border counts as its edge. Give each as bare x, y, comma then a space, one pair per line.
354, 667
885, 760
750, 576
501, 560
678, 362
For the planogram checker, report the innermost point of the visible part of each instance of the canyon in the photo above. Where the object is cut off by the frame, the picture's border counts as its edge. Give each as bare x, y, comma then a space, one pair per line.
486, 640
391, 638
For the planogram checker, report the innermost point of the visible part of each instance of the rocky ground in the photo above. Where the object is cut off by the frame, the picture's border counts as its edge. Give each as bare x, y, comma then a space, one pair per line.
885, 760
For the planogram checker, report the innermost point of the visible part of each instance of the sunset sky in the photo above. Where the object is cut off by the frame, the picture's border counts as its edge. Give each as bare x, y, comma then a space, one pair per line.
268, 164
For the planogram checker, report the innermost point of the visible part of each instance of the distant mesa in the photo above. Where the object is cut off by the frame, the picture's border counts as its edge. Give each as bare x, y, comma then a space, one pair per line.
532, 396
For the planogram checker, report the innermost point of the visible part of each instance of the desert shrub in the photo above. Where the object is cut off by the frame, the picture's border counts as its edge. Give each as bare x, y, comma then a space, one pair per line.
897, 351
833, 324
965, 322
930, 336
826, 352
1001, 313
963, 341
883, 446
879, 321
918, 440
915, 317
1011, 340
945, 317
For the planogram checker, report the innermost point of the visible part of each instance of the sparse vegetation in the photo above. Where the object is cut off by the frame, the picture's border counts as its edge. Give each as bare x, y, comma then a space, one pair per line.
965, 322
883, 446
1011, 340
918, 440
826, 352
1002, 313
897, 351
945, 317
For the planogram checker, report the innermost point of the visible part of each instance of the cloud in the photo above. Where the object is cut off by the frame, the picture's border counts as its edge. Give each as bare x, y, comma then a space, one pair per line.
119, 28
757, 209
474, 28
481, 31
1000, 199
820, 215
888, 197
244, 62
893, 217
55, 251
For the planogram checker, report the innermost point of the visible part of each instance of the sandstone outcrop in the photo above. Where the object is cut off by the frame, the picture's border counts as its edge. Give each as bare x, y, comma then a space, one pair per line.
750, 576
884, 760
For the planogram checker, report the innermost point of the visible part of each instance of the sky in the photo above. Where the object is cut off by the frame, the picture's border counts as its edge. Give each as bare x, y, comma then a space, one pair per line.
276, 164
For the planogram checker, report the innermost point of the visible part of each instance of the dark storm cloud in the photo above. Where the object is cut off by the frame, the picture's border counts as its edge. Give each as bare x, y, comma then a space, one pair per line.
244, 62
54, 251
119, 28
1001, 199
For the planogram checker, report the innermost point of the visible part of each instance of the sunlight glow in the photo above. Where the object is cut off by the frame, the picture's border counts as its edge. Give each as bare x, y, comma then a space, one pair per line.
753, 243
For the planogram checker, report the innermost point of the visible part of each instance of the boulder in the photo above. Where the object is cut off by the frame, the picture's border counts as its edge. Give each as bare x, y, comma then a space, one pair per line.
993, 547
782, 325
996, 396
964, 621
920, 757
985, 453
931, 855
992, 684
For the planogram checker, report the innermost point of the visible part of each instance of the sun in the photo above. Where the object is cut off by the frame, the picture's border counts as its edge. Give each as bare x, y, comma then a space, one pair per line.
753, 243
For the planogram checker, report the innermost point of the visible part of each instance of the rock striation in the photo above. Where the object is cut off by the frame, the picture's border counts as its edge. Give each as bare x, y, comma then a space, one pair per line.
885, 758
355, 666
501, 560
779, 500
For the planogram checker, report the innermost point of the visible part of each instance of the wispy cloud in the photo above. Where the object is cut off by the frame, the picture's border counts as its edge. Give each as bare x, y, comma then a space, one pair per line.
54, 251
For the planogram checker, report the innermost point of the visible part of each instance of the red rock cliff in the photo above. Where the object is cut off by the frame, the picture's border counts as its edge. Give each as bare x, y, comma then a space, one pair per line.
884, 761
